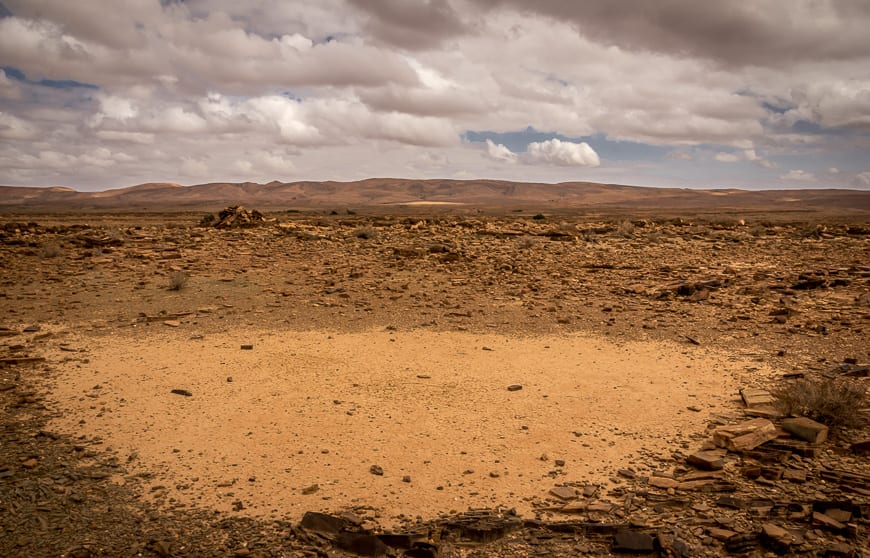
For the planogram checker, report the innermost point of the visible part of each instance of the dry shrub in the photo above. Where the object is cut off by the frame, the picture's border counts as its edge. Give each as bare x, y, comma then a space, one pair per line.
626, 229
50, 250
177, 280
365, 233
525, 243
836, 402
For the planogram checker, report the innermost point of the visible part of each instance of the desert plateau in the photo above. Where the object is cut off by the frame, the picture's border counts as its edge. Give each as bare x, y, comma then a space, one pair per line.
432, 373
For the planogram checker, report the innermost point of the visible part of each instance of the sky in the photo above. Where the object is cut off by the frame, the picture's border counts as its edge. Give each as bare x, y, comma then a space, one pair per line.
748, 94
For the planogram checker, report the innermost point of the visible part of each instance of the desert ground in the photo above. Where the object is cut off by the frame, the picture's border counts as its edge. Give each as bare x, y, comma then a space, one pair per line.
427, 380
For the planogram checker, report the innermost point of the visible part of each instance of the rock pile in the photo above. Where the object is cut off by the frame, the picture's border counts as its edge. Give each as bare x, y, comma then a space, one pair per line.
239, 216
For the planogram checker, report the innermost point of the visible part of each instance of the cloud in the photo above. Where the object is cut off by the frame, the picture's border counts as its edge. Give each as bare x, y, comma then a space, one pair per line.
862, 179
564, 153
744, 155
14, 128
499, 152
799, 175
769, 33
727, 157
411, 24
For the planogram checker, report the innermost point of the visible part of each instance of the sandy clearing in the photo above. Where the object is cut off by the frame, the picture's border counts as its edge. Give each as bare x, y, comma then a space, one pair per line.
308, 408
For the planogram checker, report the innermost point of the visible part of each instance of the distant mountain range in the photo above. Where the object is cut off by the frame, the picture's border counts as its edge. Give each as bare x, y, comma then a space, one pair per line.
395, 192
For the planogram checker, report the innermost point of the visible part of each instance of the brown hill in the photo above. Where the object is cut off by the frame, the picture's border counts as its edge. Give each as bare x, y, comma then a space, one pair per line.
376, 192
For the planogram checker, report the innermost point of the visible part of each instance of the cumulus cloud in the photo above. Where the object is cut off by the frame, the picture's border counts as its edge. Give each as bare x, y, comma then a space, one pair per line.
399, 82
862, 179
799, 175
499, 152
564, 153
745, 155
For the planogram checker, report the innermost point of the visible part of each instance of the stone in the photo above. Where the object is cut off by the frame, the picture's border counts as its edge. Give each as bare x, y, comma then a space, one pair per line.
361, 544
323, 523
633, 541
310, 489
777, 538
709, 460
247, 347
514, 387
183, 392
171, 323
827, 522
806, 429
720, 534
376, 470
746, 435
753, 397
564, 492
860, 448
840, 550
797, 476
663, 482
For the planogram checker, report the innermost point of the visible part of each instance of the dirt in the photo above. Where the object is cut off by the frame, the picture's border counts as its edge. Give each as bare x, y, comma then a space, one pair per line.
403, 368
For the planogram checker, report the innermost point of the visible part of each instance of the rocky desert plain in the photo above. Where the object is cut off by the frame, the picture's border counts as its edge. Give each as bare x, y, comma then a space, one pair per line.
431, 368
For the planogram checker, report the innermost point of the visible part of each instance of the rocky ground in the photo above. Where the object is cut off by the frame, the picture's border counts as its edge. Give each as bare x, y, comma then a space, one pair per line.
792, 293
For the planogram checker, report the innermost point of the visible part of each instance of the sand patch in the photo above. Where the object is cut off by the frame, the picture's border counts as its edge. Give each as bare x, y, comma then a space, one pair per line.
306, 408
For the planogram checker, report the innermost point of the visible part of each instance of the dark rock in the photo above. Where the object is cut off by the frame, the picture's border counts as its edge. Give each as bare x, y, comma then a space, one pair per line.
514, 387
422, 550
633, 541
323, 523
183, 392
376, 470
361, 544
710, 460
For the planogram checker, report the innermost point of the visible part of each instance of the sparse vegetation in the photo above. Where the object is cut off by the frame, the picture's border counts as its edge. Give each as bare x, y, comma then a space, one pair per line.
626, 229
177, 280
365, 233
50, 250
834, 402
525, 243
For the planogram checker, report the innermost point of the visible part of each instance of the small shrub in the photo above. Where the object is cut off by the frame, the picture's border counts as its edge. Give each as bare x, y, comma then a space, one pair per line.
366, 233
835, 403
50, 250
177, 280
626, 229
525, 243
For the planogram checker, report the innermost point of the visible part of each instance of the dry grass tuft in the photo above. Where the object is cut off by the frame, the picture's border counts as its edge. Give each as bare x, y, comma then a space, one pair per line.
365, 233
177, 280
836, 402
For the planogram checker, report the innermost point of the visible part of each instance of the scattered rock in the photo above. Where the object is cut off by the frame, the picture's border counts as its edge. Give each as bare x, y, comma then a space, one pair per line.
806, 429
376, 470
634, 542
183, 392
514, 387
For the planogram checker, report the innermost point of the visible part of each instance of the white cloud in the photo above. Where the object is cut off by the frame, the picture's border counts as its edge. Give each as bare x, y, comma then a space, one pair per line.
565, 153
799, 175
833, 170
727, 157
132, 137
499, 152
194, 168
863, 178
389, 88
14, 128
